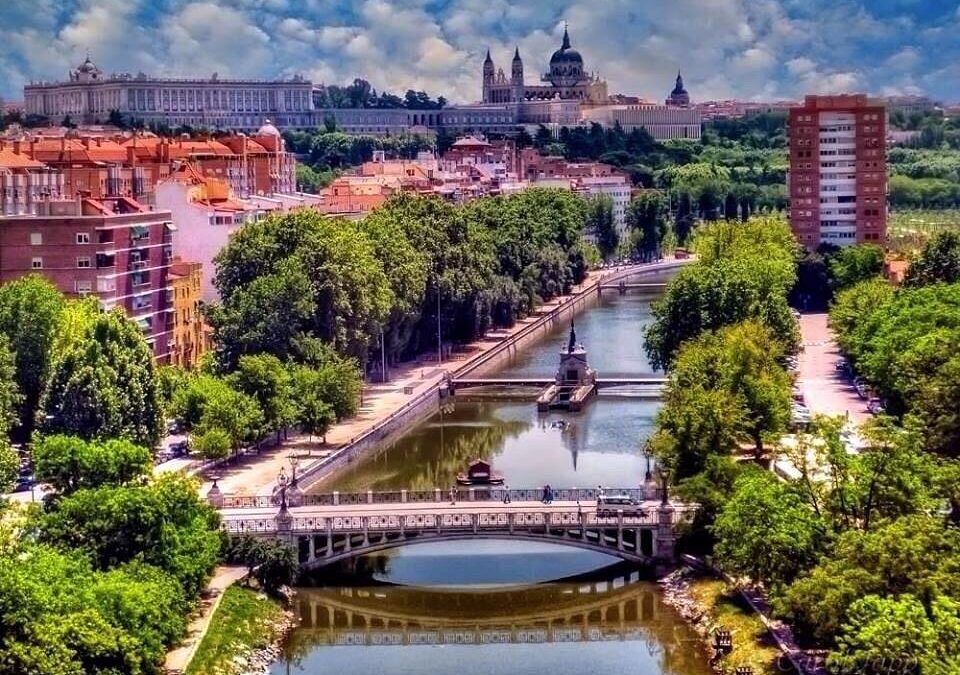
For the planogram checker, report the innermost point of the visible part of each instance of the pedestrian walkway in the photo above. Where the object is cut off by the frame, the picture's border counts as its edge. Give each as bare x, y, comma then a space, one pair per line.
223, 577
825, 390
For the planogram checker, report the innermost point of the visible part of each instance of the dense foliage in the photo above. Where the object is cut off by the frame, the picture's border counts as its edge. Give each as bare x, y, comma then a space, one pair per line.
288, 280
29, 312
905, 344
101, 580
103, 385
744, 272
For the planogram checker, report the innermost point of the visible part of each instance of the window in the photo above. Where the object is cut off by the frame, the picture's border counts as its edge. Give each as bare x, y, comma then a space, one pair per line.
83, 237
83, 262
36, 238
37, 264
84, 287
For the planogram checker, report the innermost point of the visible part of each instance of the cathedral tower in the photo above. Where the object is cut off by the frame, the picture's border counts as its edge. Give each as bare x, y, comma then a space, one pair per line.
488, 75
516, 77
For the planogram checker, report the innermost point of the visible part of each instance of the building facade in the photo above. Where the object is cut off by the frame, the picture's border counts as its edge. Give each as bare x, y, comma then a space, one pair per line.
88, 96
566, 79
24, 182
116, 250
662, 122
189, 339
837, 180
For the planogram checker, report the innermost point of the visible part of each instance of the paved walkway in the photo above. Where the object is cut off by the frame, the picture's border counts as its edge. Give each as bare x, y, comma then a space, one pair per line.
223, 577
825, 390
257, 474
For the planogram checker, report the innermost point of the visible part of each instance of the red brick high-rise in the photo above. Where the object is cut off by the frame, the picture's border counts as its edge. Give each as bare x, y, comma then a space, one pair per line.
838, 170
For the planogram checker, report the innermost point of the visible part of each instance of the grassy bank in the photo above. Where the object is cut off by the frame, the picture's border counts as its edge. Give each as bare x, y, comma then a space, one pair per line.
752, 644
244, 623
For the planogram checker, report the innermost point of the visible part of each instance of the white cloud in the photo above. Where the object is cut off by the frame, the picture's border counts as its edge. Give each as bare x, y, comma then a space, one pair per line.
745, 48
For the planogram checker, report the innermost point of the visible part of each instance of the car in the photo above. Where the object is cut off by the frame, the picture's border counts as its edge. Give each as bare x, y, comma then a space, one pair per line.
24, 482
875, 406
841, 366
798, 397
180, 448
609, 505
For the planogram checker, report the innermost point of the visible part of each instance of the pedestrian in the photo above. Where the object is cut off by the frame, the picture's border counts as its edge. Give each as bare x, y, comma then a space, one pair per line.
549, 494
544, 498
506, 494
453, 494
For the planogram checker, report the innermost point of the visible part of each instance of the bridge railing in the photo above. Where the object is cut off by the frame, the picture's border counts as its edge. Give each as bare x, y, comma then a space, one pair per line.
437, 495
483, 521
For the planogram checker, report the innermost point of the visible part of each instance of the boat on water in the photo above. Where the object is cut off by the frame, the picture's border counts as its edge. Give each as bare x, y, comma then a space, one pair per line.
478, 474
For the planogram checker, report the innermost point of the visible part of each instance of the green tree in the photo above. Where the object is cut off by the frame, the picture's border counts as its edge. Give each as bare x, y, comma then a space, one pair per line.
212, 443
939, 261
743, 360
600, 224
9, 466
104, 385
10, 398
266, 379
891, 636
937, 405
29, 311
314, 414
765, 531
915, 554
649, 214
853, 264
69, 463
165, 524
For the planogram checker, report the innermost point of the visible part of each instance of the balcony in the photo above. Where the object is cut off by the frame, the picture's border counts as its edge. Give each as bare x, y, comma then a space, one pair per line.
139, 279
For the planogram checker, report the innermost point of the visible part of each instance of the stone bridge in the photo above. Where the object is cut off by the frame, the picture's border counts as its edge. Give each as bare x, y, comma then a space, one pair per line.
326, 532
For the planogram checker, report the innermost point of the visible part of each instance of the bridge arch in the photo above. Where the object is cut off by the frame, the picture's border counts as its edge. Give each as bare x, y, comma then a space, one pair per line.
636, 545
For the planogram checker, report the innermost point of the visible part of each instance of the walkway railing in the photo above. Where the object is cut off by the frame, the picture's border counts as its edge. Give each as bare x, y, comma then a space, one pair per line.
437, 495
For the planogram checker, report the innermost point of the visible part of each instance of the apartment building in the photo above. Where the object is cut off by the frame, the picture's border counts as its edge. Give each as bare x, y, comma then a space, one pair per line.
837, 181
114, 249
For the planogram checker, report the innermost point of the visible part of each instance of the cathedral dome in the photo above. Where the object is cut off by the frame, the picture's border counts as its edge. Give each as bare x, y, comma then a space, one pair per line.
87, 66
566, 54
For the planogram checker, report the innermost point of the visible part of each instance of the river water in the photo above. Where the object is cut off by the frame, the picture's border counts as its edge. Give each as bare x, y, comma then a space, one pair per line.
600, 445
505, 607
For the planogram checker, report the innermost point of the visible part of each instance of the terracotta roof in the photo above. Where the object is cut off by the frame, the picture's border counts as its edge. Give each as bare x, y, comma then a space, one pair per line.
12, 160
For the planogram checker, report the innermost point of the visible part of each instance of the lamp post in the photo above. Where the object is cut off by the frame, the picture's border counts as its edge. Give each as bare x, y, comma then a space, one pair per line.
439, 338
294, 463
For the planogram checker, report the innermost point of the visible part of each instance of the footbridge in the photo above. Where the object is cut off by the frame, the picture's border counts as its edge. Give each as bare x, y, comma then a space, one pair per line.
623, 286
650, 380
327, 531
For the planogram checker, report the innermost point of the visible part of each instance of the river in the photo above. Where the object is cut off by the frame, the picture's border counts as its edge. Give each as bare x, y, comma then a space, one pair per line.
505, 607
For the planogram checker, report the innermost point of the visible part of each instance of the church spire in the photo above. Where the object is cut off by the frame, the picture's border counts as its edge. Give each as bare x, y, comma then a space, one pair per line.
488, 59
516, 53
566, 38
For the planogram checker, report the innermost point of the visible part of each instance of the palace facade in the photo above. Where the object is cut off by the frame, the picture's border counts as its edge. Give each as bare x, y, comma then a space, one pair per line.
88, 96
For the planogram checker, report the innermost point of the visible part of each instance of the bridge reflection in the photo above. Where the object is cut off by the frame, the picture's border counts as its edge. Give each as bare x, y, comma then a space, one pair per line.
624, 608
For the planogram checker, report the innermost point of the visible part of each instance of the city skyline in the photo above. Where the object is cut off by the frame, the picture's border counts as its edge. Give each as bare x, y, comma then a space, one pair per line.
750, 50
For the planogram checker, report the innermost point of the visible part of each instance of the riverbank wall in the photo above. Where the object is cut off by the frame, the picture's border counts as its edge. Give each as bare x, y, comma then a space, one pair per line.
429, 401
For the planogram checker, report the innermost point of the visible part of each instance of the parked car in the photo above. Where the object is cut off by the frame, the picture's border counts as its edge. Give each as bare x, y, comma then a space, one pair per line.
180, 448
23, 482
875, 406
608, 505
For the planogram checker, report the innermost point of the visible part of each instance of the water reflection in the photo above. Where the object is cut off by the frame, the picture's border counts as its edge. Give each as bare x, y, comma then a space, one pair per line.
601, 445
611, 623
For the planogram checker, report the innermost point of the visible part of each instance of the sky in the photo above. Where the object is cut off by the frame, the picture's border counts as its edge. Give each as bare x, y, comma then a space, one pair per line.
748, 49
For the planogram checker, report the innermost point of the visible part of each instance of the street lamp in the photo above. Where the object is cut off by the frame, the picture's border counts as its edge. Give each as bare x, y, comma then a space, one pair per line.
294, 463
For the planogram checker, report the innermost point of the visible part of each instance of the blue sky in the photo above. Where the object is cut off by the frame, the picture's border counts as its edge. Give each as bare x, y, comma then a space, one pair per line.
753, 49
